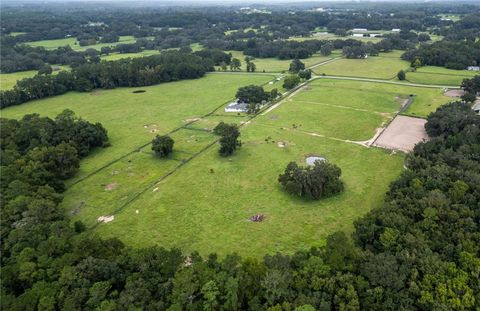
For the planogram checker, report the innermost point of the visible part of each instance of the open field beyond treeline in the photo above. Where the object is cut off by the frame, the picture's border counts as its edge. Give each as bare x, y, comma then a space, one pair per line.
330, 118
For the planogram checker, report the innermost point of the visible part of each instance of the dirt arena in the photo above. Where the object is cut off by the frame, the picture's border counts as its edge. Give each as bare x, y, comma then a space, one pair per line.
403, 133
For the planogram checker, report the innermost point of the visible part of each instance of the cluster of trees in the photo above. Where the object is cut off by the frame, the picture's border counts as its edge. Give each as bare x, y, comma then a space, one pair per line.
162, 145
449, 54
471, 88
419, 251
21, 58
229, 138
168, 66
293, 80
258, 35
40, 22
312, 182
255, 96
468, 28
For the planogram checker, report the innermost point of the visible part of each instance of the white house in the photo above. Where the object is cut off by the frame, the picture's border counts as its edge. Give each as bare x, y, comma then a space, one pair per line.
396, 30
359, 29
473, 68
375, 35
237, 107
357, 35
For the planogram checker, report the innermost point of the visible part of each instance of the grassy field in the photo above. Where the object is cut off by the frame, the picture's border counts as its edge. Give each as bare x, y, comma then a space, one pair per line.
382, 98
277, 65
218, 194
134, 119
53, 44
18, 33
439, 75
197, 200
116, 56
384, 66
331, 36
212, 214
8, 80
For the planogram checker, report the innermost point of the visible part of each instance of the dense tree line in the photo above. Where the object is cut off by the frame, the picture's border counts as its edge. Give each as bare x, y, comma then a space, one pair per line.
40, 22
23, 57
258, 35
449, 54
168, 66
471, 87
419, 251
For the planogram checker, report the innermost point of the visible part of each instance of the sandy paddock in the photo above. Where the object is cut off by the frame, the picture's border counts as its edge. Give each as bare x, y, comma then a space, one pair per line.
454, 93
403, 133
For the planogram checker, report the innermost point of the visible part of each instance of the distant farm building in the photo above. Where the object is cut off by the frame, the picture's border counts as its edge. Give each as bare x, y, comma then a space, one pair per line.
473, 68
396, 30
56, 68
237, 106
359, 30
375, 35
357, 35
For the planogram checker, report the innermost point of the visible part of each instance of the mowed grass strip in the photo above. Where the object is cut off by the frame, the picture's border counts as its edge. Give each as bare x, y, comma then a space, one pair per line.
377, 67
133, 119
205, 206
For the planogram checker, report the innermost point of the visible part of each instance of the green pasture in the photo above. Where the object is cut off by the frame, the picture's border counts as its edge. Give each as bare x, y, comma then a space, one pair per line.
117, 56
196, 47
205, 205
327, 120
73, 43
331, 36
439, 76
8, 80
384, 66
374, 96
16, 33
277, 65
133, 119
197, 200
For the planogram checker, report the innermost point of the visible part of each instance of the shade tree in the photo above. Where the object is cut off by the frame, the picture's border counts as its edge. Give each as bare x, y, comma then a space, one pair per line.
162, 145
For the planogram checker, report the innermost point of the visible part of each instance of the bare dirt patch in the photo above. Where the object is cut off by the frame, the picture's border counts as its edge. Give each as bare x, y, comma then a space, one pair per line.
257, 218
106, 218
454, 93
191, 120
403, 133
111, 186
